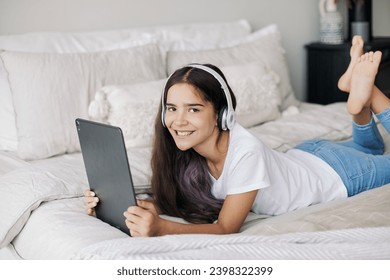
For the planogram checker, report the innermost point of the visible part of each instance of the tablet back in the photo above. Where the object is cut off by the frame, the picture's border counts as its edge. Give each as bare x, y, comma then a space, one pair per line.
108, 170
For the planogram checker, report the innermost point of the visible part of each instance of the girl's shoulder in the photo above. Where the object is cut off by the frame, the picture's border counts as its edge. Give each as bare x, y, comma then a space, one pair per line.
245, 150
242, 139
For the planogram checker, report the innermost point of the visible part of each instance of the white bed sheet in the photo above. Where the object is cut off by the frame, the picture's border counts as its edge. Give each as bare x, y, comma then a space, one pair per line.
9, 253
10, 161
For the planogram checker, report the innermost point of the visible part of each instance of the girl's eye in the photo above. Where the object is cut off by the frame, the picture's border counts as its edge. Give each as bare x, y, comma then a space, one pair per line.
171, 109
193, 110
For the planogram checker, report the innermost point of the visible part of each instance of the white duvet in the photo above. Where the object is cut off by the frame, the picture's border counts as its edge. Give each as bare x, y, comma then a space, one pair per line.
42, 214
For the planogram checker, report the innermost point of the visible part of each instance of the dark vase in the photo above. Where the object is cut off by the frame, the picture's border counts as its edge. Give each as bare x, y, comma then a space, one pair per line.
360, 18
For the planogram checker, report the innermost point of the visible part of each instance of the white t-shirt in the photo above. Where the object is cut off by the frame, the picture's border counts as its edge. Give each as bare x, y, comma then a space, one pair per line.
288, 181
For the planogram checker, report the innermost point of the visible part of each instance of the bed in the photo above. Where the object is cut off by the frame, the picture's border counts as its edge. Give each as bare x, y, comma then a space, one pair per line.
116, 77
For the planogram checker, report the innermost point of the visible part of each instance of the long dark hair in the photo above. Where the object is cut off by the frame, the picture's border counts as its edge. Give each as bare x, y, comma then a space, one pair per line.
181, 182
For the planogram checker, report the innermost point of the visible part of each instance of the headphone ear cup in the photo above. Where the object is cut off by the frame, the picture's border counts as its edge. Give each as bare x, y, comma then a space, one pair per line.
163, 111
222, 115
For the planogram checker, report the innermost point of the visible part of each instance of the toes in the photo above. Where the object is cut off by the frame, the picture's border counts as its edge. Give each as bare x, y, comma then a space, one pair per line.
376, 57
364, 57
372, 57
357, 39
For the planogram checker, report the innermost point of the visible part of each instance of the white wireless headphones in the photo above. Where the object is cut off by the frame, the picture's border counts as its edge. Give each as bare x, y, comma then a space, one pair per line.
226, 118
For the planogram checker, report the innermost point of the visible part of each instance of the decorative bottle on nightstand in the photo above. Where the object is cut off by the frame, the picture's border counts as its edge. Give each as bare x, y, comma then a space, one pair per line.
331, 25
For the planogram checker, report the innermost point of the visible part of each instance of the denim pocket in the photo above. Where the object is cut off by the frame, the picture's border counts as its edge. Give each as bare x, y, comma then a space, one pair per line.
354, 163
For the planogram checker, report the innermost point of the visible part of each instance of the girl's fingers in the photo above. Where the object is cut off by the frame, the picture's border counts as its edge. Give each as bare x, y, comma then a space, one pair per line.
91, 199
136, 211
91, 212
91, 204
145, 204
132, 228
133, 215
148, 205
89, 193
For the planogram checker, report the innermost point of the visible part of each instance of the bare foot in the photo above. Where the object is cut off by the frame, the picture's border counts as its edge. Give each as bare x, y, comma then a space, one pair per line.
362, 82
355, 52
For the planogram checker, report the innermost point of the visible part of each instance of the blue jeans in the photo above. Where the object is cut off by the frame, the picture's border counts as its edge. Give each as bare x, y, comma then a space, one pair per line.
360, 162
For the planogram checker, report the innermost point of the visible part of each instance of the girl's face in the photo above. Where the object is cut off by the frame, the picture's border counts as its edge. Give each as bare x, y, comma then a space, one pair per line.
190, 119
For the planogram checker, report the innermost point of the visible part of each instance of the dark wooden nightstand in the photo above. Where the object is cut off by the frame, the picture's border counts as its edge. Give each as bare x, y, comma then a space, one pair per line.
326, 63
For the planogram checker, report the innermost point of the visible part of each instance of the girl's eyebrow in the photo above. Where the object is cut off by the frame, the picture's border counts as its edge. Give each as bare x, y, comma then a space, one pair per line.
187, 104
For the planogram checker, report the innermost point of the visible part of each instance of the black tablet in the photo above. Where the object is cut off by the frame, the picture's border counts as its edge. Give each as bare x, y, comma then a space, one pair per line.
108, 170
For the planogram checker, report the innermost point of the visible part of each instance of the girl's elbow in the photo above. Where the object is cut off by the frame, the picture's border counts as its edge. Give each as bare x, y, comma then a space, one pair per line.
224, 229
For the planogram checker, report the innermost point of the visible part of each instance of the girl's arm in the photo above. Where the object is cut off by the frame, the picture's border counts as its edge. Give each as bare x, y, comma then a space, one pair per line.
143, 220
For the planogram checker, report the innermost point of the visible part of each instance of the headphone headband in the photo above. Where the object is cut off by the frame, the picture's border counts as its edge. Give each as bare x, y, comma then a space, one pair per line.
226, 118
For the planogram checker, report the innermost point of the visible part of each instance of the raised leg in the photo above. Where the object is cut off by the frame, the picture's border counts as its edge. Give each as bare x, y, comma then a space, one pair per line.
379, 101
362, 83
356, 51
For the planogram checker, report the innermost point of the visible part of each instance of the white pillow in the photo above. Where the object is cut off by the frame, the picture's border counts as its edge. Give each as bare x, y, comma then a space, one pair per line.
257, 93
263, 45
176, 37
134, 107
131, 107
52, 43
8, 137
50, 90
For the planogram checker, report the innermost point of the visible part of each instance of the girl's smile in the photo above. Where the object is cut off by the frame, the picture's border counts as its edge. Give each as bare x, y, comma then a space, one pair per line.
184, 133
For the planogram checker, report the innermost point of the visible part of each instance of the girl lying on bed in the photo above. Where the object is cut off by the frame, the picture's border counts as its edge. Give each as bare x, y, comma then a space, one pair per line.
210, 171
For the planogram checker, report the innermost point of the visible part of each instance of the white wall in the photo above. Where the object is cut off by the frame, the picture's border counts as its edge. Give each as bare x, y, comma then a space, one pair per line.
298, 20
